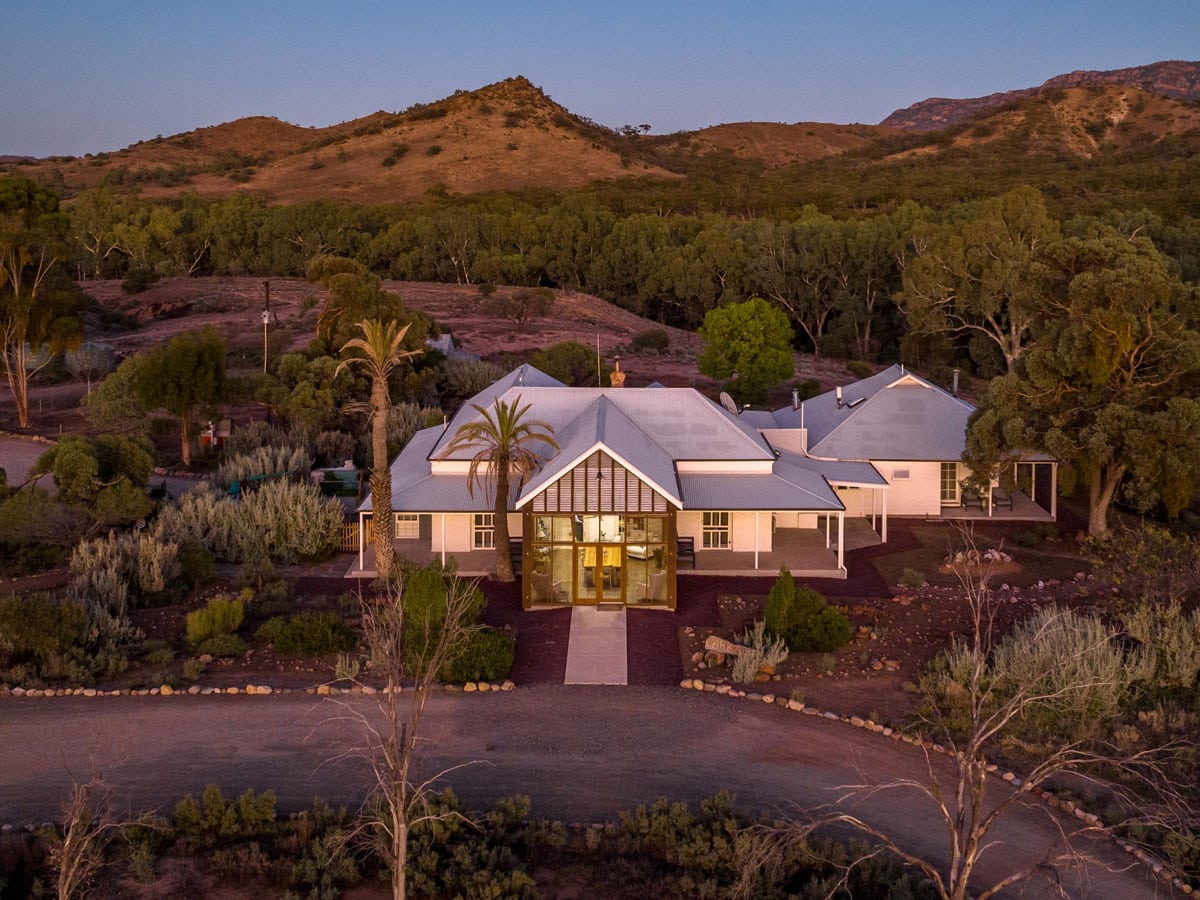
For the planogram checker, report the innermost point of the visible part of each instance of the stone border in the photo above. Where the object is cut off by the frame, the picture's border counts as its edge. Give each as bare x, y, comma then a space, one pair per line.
1051, 799
470, 687
36, 438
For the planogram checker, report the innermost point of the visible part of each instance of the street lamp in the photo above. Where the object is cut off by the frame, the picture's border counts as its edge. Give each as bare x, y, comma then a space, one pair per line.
266, 318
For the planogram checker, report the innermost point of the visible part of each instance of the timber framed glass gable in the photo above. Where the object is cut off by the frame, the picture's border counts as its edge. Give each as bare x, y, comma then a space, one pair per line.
599, 534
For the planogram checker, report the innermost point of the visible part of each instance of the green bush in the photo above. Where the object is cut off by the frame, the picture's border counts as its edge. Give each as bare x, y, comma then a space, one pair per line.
859, 369
486, 656
45, 638
912, 578
803, 618
651, 339
138, 280
315, 634
425, 608
215, 820
807, 389
222, 615
268, 632
196, 564
222, 646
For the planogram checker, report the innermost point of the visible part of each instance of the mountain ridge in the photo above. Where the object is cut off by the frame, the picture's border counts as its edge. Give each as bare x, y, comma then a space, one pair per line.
1177, 79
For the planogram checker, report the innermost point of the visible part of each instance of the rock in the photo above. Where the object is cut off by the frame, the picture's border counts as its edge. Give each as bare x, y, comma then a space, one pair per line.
697, 657
89, 692
207, 690
832, 716
233, 690
720, 645
194, 689
710, 688
795, 705
712, 659
322, 689
768, 698
857, 721
367, 689
876, 665
205, 658
166, 690
470, 688
686, 684
264, 689
507, 686
761, 677
722, 688
892, 665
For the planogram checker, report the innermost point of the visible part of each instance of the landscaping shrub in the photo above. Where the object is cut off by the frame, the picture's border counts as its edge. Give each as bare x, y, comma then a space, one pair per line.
127, 569
761, 649
802, 617
196, 564
912, 578
314, 634
425, 608
222, 646
262, 461
222, 615
487, 655
268, 632
281, 521
651, 339
46, 638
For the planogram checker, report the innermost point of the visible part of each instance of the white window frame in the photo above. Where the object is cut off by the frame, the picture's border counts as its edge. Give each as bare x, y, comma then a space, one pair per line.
408, 526
483, 531
714, 533
950, 498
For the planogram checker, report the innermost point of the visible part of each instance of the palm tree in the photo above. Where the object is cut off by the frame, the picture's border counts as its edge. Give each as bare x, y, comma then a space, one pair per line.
380, 351
503, 442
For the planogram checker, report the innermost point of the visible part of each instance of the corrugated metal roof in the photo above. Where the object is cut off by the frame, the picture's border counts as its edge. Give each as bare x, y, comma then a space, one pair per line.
835, 471
891, 415
789, 488
602, 424
682, 421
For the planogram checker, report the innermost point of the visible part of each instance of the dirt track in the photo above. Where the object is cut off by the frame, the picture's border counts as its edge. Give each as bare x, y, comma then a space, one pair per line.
581, 753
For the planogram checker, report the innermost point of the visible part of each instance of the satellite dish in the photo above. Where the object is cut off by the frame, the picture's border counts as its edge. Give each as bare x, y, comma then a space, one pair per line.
728, 403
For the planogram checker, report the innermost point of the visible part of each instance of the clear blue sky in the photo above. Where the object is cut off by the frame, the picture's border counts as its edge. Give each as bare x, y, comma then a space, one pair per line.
90, 76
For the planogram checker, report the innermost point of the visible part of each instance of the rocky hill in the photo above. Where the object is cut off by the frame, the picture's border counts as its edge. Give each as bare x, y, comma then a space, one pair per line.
1176, 79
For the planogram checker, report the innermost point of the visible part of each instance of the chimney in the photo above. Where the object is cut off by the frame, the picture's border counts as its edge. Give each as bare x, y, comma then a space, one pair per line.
839, 396
795, 398
954, 385
616, 378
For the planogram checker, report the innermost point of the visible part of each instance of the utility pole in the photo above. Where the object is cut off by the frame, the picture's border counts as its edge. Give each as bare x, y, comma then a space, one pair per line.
266, 318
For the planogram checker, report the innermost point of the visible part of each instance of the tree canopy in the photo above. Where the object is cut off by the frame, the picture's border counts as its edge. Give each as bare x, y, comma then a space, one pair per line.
1109, 385
748, 344
185, 376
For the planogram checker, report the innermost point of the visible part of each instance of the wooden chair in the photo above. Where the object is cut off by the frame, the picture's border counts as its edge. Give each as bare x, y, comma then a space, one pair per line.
971, 497
686, 552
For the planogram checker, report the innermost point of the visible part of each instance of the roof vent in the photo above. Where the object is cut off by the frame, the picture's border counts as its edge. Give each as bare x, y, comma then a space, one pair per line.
855, 402
838, 391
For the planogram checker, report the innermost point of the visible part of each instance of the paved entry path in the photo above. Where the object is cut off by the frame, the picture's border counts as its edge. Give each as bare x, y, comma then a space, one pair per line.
596, 653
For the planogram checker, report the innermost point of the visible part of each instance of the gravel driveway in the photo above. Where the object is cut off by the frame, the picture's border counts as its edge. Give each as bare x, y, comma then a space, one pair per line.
582, 753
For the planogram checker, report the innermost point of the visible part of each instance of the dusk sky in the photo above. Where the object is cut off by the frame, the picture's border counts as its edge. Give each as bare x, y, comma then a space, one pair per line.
80, 77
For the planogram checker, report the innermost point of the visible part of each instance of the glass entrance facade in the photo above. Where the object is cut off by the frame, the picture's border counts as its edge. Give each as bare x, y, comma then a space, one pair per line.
584, 544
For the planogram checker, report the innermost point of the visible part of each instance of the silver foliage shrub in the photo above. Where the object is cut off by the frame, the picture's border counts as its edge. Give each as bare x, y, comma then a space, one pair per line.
1171, 640
467, 377
249, 437
267, 460
282, 521
406, 419
107, 570
760, 650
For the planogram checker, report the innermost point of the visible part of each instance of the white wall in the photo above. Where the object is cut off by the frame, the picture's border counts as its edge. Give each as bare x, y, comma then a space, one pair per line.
918, 495
690, 523
460, 531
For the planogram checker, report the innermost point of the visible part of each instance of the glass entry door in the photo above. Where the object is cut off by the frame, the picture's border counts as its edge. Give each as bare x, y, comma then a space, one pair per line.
599, 570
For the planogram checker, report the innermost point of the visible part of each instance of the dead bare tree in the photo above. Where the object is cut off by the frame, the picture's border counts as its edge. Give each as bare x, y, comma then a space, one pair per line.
89, 821
994, 694
408, 645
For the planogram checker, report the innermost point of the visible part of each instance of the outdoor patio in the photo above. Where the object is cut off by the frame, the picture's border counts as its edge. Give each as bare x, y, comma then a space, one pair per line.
1023, 510
802, 550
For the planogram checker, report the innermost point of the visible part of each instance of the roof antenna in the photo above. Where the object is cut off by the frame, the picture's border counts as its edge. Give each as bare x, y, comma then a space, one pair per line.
598, 384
